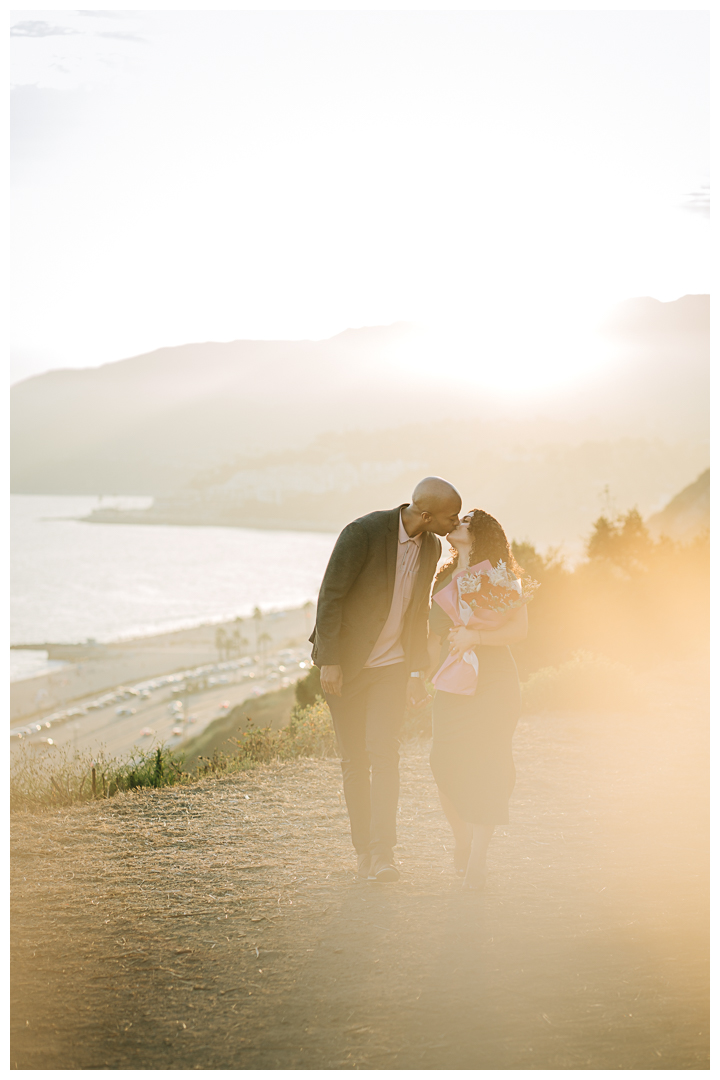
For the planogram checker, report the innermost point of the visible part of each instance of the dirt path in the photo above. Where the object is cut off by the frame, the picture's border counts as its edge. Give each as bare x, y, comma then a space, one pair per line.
221, 926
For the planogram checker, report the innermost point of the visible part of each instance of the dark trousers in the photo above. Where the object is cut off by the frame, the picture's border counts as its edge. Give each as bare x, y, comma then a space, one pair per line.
367, 719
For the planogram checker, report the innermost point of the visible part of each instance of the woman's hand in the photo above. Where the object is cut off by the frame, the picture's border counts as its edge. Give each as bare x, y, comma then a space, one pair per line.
461, 639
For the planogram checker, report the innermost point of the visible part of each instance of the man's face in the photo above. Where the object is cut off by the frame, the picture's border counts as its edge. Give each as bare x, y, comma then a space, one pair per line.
446, 518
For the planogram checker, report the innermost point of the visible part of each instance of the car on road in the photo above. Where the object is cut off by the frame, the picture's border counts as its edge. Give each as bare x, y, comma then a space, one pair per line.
125, 710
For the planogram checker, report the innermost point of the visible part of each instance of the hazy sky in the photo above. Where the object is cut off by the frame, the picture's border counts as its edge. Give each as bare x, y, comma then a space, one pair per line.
193, 176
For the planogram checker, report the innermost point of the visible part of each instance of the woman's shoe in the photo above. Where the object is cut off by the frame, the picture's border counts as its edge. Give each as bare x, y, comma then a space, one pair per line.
476, 882
460, 859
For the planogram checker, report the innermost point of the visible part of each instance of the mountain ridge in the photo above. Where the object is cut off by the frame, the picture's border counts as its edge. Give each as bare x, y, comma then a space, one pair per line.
148, 424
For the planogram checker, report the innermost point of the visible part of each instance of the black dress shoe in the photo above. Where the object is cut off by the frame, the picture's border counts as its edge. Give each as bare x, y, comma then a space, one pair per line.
383, 869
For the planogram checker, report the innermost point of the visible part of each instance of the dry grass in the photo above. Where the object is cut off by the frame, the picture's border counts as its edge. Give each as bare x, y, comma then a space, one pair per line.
42, 777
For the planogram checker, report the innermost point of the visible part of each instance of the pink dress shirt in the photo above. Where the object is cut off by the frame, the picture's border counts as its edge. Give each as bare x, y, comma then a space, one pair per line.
388, 647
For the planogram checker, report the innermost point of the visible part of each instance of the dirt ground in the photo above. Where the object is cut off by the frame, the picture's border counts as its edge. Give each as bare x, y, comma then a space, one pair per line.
221, 925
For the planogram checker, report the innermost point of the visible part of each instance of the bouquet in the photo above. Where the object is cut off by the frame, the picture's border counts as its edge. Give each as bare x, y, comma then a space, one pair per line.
492, 588
481, 598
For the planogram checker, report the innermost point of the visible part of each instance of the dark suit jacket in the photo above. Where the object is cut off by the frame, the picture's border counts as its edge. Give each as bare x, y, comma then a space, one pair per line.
356, 594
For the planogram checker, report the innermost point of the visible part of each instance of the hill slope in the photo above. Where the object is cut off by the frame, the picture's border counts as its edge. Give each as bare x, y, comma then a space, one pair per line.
688, 514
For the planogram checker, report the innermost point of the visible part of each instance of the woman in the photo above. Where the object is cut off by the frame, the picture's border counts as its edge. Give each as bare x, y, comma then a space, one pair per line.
471, 756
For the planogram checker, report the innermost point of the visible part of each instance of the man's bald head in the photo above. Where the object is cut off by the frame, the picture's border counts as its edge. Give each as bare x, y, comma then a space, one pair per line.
434, 493
435, 506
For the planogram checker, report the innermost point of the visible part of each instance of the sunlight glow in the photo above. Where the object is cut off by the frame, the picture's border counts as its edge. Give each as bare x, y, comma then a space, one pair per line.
190, 176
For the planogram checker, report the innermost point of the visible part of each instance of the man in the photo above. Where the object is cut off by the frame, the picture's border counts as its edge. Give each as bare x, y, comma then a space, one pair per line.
370, 638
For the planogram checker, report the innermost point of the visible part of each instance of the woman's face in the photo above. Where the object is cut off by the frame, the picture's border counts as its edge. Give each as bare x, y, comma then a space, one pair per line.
461, 536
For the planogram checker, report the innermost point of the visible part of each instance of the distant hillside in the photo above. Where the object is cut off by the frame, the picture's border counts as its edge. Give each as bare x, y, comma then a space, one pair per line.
688, 514
549, 494
145, 425
151, 424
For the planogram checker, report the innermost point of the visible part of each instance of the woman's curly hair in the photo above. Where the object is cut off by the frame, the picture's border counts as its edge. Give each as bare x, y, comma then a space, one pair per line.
488, 542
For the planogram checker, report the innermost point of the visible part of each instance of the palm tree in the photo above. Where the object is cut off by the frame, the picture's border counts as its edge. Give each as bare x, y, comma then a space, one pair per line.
236, 643
263, 641
257, 616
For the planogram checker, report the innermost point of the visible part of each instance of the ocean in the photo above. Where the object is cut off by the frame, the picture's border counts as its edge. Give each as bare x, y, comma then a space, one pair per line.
71, 581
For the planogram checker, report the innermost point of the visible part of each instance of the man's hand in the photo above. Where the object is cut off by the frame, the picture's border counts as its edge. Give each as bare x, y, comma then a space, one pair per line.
331, 679
461, 639
417, 694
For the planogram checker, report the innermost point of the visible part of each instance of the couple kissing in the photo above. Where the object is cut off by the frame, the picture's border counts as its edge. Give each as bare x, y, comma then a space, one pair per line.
378, 636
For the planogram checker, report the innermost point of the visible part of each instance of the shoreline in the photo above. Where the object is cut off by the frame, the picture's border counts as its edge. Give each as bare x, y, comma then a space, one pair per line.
218, 518
91, 648
93, 668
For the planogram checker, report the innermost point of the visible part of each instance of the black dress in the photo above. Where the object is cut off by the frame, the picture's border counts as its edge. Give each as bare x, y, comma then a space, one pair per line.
471, 756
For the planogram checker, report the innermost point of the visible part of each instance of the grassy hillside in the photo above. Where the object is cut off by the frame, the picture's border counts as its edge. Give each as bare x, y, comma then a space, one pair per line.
270, 710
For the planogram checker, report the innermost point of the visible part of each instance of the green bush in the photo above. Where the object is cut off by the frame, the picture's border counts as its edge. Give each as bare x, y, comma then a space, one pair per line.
632, 599
585, 682
310, 733
308, 690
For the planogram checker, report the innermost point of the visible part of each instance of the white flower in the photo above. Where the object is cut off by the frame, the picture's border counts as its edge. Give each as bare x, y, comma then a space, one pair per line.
470, 582
499, 575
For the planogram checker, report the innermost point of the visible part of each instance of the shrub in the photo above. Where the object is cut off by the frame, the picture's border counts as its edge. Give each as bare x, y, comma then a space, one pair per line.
62, 776
310, 733
586, 681
308, 690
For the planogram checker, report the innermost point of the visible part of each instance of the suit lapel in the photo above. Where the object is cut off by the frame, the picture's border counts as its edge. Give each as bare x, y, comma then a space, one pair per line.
391, 540
426, 569
427, 552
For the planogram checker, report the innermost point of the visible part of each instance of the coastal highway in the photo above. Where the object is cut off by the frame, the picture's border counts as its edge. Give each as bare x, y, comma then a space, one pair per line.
144, 715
